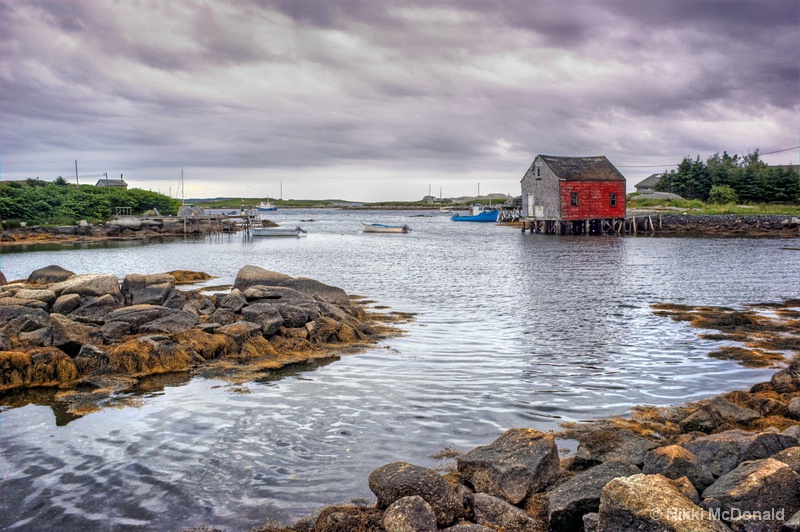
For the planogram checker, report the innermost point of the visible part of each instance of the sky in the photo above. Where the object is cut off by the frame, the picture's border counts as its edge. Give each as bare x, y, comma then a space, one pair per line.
370, 101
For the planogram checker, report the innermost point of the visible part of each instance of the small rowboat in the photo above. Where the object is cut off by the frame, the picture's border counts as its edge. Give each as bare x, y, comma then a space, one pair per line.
277, 231
382, 228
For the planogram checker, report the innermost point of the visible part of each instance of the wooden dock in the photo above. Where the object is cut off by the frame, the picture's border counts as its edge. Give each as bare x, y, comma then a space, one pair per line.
630, 225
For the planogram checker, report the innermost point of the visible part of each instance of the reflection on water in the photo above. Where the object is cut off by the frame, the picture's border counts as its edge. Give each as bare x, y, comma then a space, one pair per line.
512, 330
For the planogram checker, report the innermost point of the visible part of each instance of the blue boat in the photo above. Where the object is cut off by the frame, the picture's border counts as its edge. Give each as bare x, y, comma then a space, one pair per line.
479, 214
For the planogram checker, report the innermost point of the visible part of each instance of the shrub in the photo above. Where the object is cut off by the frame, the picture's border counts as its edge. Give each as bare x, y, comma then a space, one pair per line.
722, 194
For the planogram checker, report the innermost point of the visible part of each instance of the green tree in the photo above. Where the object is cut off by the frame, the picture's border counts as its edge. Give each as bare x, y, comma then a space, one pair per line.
722, 194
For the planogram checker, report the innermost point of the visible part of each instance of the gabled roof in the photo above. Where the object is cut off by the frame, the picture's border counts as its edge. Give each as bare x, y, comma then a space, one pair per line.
596, 168
649, 181
111, 183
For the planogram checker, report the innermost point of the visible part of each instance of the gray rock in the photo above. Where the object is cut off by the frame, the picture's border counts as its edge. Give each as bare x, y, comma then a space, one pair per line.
497, 513
147, 289
174, 322
254, 275
276, 294
759, 486
128, 222
267, 316
674, 461
793, 431
138, 315
792, 524
114, 331
175, 299
722, 452
622, 445
296, 315
787, 380
410, 514
201, 306
717, 412
794, 408
13, 312
210, 327
234, 301
65, 230
591, 522
400, 479
318, 290
66, 304
241, 331
95, 309
651, 503
223, 316
20, 302
686, 487
49, 274
517, 464
37, 338
570, 501
790, 457
90, 284
25, 323
70, 335
47, 296
5, 343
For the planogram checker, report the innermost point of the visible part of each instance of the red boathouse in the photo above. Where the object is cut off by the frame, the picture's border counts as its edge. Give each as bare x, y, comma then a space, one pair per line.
573, 194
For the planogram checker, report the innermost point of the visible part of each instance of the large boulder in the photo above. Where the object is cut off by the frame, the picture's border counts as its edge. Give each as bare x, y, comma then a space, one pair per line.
267, 316
20, 302
70, 335
276, 294
66, 304
499, 515
754, 490
174, 322
787, 380
603, 445
517, 464
95, 309
715, 413
137, 315
254, 275
651, 503
43, 366
792, 524
47, 296
49, 274
400, 479
673, 461
296, 315
318, 290
790, 457
10, 313
410, 514
794, 408
23, 322
89, 284
722, 452
150, 289
233, 301
570, 501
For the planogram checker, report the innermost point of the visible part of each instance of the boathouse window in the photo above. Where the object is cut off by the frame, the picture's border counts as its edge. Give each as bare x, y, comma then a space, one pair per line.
573, 199
613, 199
538, 170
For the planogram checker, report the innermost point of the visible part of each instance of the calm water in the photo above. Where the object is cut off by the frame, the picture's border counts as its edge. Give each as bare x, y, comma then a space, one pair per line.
513, 330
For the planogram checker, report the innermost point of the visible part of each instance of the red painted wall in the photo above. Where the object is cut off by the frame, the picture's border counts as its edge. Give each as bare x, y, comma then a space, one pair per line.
594, 200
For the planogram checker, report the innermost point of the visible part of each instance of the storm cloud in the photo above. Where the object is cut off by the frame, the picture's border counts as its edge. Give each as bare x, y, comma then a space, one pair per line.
369, 100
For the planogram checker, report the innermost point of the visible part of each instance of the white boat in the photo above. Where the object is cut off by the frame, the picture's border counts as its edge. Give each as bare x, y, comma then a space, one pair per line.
277, 231
265, 207
382, 228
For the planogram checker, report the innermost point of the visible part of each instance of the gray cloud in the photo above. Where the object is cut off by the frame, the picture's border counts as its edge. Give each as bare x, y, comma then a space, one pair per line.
446, 92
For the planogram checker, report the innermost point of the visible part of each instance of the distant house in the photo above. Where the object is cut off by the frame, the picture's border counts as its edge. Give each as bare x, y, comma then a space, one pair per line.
648, 184
573, 189
112, 183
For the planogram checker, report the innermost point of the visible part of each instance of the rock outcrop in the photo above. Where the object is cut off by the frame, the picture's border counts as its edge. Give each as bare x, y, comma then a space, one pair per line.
64, 329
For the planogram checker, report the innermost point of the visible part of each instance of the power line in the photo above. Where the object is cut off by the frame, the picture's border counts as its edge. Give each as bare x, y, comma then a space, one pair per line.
671, 165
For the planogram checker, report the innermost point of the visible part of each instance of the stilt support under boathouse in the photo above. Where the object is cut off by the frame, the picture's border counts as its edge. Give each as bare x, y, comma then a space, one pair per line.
631, 225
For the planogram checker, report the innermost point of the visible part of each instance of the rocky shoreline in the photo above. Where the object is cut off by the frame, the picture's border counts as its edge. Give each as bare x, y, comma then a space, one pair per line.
731, 224
93, 336
729, 463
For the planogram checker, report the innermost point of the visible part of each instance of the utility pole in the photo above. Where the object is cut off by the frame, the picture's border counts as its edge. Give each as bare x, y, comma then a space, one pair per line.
76, 173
